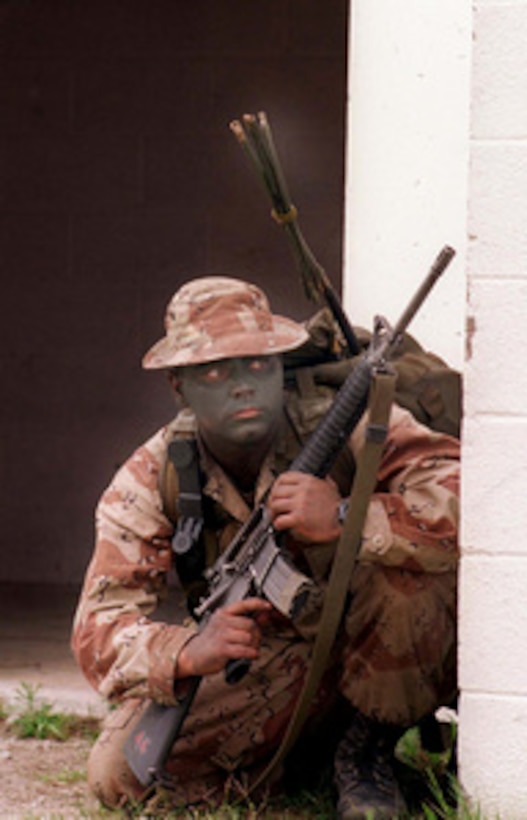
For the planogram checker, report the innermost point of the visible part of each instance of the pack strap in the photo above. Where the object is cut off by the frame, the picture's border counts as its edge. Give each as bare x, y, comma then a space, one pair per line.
184, 456
380, 400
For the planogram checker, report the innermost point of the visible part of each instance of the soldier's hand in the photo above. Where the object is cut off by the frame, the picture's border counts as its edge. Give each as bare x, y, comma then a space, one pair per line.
305, 505
232, 632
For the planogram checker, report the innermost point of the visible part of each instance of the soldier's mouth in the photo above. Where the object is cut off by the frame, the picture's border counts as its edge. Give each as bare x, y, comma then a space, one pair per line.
247, 413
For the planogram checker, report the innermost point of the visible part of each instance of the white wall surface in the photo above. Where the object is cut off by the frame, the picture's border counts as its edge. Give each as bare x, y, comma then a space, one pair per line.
493, 611
437, 154
407, 163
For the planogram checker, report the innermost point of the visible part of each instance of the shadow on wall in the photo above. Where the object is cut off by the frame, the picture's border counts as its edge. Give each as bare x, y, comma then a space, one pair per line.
120, 180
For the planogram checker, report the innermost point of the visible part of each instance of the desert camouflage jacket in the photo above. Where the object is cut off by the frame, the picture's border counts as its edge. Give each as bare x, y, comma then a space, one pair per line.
411, 524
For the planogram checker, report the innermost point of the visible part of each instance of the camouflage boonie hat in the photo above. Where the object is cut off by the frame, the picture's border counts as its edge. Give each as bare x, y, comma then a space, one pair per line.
217, 317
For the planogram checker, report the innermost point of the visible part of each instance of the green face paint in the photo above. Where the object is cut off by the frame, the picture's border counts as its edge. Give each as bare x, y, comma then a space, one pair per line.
237, 402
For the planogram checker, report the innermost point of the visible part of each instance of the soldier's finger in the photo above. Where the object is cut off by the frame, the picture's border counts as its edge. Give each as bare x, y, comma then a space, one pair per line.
248, 606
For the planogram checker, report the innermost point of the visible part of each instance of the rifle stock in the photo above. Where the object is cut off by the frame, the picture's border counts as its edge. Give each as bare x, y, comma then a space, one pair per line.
253, 563
148, 745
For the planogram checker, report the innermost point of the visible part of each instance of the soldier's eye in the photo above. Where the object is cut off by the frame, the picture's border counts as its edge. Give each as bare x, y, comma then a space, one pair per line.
214, 373
260, 364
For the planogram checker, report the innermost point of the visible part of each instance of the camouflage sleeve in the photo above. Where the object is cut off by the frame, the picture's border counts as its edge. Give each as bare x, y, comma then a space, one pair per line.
412, 519
120, 650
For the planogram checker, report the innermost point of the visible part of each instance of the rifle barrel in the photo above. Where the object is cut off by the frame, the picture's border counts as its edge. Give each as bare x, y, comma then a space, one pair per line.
444, 257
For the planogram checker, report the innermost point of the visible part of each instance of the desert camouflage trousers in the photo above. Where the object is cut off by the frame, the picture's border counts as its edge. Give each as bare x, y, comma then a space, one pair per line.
394, 661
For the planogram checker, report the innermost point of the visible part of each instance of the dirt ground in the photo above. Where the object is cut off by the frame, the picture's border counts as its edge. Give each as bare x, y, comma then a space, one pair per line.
45, 779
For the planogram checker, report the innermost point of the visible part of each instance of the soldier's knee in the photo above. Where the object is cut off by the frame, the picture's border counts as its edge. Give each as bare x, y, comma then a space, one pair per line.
110, 778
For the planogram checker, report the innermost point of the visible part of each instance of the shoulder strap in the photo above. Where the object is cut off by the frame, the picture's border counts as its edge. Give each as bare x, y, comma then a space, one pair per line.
180, 485
183, 454
380, 401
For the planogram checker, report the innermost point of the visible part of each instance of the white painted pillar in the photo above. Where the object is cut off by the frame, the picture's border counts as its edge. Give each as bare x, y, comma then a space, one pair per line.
407, 163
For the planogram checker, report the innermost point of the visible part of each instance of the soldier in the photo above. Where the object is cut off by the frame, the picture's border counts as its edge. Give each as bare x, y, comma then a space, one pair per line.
394, 658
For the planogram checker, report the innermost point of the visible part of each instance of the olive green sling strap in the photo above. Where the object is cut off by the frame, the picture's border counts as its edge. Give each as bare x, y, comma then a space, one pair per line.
380, 400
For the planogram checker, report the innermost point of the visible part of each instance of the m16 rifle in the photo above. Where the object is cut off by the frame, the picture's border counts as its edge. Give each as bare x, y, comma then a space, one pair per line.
254, 563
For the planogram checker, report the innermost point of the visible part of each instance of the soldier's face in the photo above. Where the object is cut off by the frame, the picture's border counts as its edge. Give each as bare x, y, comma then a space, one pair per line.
235, 401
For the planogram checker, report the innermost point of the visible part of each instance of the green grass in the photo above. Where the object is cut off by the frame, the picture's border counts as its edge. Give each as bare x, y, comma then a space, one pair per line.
442, 794
436, 793
66, 776
33, 717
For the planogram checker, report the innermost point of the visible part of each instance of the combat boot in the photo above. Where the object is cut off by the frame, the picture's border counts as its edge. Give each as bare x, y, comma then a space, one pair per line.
364, 774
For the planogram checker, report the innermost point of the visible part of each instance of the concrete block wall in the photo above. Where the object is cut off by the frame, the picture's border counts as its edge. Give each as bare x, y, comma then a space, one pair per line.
437, 147
119, 180
493, 605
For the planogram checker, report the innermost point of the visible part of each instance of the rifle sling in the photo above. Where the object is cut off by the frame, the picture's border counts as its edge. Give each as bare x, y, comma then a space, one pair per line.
379, 404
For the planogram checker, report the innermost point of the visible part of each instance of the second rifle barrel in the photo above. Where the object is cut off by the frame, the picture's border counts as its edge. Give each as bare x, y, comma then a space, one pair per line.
443, 259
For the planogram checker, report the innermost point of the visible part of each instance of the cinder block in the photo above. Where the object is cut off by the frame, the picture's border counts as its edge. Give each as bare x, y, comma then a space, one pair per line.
498, 209
494, 485
492, 759
494, 383
493, 625
499, 79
